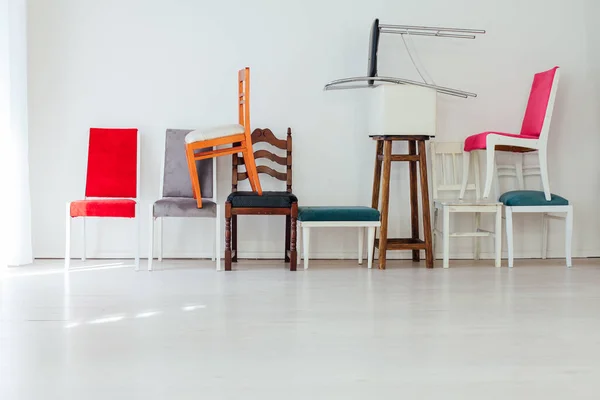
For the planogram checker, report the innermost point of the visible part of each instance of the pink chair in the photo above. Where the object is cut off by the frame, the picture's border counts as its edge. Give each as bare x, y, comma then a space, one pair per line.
533, 136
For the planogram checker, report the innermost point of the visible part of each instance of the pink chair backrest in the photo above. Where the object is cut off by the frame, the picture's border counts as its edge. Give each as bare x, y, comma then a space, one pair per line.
537, 106
112, 163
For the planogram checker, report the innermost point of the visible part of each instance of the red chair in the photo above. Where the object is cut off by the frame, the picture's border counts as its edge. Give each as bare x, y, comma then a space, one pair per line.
112, 183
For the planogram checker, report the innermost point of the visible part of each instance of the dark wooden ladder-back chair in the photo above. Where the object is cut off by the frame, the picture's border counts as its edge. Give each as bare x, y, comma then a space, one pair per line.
270, 203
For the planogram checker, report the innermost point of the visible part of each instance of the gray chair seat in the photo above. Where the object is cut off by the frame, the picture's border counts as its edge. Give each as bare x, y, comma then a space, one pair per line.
184, 207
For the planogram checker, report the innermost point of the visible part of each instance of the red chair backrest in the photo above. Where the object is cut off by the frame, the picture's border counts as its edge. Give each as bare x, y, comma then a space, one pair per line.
537, 106
112, 163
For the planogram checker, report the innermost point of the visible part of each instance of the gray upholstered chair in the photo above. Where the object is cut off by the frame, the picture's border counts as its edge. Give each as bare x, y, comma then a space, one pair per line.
177, 199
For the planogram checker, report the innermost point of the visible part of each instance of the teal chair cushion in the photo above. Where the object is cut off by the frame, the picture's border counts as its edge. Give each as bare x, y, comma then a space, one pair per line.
523, 198
327, 214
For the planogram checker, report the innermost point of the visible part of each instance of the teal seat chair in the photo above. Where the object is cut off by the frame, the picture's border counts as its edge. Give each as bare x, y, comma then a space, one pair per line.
363, 218
534, 201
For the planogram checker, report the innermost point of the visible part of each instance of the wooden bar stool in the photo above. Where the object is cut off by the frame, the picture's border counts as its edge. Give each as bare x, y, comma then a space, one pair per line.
383, 159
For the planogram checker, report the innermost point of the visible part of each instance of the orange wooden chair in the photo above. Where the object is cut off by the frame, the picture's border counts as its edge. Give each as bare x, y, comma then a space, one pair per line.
238, 135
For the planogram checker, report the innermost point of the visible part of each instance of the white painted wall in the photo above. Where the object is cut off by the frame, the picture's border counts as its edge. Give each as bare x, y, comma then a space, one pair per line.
157, 64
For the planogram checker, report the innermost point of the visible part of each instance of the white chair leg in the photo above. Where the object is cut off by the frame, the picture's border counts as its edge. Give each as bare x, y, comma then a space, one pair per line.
446, 234
160, 239
509, 236
68, 238
498, 237
496, 180
361, 244
299, 248
569, 236
477, 174
476, 240
83, 254
371, 244
544, 236
214, 255
434, 237
490, 170
544, 173
218, 239
466, 160
136, 236
151, 243
305, 244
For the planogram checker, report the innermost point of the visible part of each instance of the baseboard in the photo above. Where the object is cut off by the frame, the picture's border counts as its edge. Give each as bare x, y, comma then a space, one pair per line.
392, 255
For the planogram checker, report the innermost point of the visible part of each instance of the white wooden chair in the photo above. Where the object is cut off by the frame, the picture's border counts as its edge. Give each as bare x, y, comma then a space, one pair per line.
533, 201
532, 138
447, 160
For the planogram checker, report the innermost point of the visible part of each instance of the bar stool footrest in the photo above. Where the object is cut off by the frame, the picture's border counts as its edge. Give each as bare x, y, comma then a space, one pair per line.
403, 244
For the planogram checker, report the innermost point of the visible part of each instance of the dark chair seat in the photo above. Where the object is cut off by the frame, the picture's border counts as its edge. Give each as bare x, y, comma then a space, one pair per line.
528, 198
267, 200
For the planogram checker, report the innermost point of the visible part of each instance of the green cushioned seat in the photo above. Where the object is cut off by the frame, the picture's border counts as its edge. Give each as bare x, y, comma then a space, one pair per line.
267, 200
524, 198
325, 214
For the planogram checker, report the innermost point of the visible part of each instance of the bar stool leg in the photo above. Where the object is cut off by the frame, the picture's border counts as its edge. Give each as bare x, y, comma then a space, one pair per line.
385, 202
377, 179
425, 204
414, 199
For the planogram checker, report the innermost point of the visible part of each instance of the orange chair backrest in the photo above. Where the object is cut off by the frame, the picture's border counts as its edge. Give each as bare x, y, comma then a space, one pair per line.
244, 101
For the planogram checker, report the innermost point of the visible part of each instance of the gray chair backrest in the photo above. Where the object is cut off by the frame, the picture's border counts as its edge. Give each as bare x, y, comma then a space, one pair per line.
176, 177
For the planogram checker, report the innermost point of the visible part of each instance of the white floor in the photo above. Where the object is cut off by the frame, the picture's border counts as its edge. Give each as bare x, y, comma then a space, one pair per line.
336, 331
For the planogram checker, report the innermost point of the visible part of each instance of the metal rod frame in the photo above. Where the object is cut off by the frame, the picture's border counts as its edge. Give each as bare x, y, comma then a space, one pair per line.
431, 28
437, 34
387, 79
434, 31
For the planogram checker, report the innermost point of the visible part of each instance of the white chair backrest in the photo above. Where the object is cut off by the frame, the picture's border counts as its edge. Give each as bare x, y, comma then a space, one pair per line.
550, 108
446, 170
519, 172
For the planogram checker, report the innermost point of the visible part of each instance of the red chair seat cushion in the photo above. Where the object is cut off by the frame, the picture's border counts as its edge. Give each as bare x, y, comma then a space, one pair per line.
120, 208
478, 142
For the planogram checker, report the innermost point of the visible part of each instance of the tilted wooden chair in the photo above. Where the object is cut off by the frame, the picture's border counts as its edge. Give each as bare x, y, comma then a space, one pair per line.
270, 203
238, 135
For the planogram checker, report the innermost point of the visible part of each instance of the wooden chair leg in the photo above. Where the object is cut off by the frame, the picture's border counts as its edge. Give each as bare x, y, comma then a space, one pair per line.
234, 237
227, 236
189, 152
288, 237
293, 251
